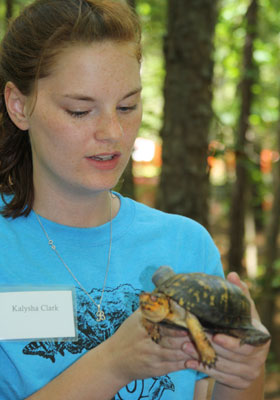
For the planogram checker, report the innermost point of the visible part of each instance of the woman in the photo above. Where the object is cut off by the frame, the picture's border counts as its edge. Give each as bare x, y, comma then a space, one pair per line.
70, 112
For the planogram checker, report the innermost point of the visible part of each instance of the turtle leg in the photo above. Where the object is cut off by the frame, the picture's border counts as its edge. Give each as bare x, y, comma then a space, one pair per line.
153, 329
206, 352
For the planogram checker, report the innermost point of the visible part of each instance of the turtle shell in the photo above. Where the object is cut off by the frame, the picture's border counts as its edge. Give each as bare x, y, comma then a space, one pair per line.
215, 301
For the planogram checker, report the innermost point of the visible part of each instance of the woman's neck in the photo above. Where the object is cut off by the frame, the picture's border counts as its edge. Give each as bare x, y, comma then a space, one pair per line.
78, 212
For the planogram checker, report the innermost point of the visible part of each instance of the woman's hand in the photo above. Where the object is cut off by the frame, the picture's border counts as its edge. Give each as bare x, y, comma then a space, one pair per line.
136, 356
238, 366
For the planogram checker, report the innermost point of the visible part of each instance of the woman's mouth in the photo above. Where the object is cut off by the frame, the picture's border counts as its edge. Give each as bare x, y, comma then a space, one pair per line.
105, 161
103, 157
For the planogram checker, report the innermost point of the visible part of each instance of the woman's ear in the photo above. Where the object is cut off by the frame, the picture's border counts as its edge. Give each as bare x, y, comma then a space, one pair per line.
16, 106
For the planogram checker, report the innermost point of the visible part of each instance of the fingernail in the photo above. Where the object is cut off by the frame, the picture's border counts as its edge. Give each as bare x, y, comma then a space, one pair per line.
219, 339
188, 347
192, 364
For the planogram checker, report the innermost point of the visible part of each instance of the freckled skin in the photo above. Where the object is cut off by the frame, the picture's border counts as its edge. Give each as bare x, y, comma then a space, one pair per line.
199, 302
93, 80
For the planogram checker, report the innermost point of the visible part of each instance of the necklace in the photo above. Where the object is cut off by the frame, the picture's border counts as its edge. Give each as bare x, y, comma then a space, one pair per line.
99, 315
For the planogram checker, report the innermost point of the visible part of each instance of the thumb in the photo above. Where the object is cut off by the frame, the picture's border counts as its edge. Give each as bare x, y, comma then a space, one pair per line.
234, 278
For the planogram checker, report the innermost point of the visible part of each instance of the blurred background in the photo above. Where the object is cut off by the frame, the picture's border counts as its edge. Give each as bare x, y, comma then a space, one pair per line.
209, 146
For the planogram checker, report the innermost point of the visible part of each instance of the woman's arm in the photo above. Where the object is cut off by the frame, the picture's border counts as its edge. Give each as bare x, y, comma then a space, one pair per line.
204, 390
255, 391
93, 376
127, 355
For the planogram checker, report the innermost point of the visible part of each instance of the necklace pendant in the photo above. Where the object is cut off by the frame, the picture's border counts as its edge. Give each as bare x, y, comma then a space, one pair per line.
100, 316
51, 243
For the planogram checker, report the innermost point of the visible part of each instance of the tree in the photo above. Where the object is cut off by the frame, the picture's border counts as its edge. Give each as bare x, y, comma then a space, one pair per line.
240, 189
132, 3
9, 9
268, 298
188, 51
126, 184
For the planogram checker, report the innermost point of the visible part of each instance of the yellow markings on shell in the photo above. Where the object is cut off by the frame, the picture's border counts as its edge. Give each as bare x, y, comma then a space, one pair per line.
196, 295
187, 305
212, 300
203, 284
224, 299
181, 302
223, 283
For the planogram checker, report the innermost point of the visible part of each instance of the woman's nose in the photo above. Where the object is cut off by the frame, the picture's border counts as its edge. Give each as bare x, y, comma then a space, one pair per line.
109, 127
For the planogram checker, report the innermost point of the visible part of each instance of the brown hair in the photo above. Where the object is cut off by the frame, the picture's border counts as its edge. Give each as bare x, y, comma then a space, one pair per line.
27, 53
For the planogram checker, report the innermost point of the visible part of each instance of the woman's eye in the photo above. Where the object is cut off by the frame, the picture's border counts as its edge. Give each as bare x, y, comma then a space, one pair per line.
77, 114
127, 109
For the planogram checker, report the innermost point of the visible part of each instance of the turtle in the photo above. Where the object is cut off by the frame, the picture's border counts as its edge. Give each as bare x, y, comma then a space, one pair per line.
199, 303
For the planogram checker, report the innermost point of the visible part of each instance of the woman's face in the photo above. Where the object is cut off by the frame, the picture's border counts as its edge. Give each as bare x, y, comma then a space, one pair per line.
86, 118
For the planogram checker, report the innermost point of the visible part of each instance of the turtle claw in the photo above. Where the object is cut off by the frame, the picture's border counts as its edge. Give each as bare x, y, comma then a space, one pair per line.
152, 330
207, 354
209, 362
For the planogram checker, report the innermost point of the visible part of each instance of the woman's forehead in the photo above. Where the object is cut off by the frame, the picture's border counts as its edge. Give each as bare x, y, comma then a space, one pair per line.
94, 52
102, 66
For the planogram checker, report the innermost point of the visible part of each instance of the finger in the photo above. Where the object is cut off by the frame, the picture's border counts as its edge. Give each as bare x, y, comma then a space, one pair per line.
165, 331
170, 342
234, 278
168, 367
172, 355
231, 368
227, 345
246, 356
190, 349
229, 378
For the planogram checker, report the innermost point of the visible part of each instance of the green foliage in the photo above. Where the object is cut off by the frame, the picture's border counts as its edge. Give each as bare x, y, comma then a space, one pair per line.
153, 16
229, 42
272, 363
263, 121
17, 6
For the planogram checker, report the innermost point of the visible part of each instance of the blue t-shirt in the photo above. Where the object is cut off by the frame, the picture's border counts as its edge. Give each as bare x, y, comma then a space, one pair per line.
142, 240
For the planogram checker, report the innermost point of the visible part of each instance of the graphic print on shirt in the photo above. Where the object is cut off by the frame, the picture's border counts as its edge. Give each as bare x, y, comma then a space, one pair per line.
118, 303
143, 390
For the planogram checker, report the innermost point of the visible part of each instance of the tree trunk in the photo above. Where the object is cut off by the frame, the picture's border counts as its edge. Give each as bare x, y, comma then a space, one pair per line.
9, 10
126, 184
240, 192
132, 3
188, 51
267, 302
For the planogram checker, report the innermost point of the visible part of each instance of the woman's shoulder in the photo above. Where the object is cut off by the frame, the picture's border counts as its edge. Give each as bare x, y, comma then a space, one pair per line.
178, 233
150, 215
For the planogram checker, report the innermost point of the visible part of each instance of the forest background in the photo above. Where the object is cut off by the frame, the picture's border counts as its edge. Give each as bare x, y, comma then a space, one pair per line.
209, 146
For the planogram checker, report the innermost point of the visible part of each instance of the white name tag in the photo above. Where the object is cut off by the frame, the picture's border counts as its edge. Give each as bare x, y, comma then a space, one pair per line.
35, 313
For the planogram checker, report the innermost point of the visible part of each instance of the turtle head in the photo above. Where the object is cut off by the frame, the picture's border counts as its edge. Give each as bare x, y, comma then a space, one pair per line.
162, 274
154, 306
